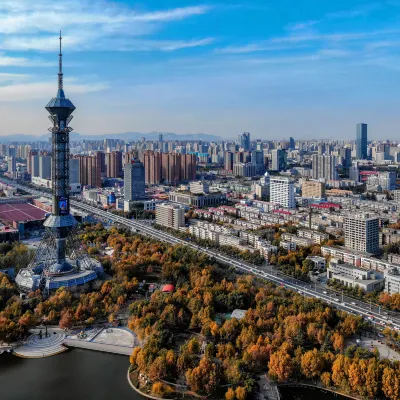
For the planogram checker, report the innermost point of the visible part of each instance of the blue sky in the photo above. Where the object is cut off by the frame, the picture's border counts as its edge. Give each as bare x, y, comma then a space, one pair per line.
305, 68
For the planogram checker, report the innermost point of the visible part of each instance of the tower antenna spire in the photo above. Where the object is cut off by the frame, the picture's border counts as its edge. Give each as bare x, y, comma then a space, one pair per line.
60, 73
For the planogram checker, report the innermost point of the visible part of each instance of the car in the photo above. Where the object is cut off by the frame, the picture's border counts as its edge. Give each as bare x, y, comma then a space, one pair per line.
324, 292
353, 303
337, 299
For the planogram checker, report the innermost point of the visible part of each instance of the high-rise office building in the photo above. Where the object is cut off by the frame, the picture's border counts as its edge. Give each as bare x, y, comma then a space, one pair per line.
354, 172
12, 151
114, 164
345, 157
362, 141
35, 165
45, 167
257, 158
292, 144
282, 192
244, 141
278, 160
12, 164
324, 167
134, 181
74, 170
160, 137
228, 161
361, 232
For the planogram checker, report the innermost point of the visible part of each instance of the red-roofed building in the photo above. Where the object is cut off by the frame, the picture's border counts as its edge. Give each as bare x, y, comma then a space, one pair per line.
168, 288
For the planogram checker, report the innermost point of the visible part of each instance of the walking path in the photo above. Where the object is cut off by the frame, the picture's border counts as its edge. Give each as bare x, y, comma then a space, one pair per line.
111, 340
268, 391
107, 348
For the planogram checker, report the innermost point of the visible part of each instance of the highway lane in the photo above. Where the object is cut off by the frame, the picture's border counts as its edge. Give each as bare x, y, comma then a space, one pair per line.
358, 308
368, 311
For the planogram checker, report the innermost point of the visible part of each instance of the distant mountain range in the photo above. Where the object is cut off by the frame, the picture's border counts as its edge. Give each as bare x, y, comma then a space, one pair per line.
127, 136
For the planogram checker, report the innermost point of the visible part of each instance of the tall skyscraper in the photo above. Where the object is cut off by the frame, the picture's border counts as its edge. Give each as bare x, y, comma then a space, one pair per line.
45, 166
362, 141
228, 160
244, 141
345, 155
292, 144
188, 167
354, 173
29, 160
278, 160
101, 159
169, 167
74, 170
257, 158
324, 167
152, 167
134, 181
361, 232
12, 164
90, 170
282, 192
114, 164
35, 165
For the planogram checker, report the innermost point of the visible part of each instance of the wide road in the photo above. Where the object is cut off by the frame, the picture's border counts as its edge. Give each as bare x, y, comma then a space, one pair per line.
314, 290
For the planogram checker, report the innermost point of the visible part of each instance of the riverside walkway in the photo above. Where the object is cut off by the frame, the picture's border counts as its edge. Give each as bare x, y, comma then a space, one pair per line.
109, 340
107, 348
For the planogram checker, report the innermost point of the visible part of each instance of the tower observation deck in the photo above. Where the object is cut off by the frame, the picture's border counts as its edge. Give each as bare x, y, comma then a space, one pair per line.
60, 259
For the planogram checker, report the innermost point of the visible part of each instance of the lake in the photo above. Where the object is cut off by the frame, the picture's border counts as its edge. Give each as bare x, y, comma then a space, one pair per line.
83, 374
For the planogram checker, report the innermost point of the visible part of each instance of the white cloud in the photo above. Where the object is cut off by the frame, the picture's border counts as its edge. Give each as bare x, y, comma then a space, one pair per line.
86, 24
302, 25
8, 77
178, 45
44, 90
84, 13
248, 48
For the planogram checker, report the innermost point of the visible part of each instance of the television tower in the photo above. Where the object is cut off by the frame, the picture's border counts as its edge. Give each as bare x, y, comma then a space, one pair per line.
60, 260
60, 109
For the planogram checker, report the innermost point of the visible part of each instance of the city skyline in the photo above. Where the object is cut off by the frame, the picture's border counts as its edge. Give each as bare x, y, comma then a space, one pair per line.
187, 68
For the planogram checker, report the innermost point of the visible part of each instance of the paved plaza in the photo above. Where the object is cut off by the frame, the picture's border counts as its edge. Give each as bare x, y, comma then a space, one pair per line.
371, 344
116, 337
36, 347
